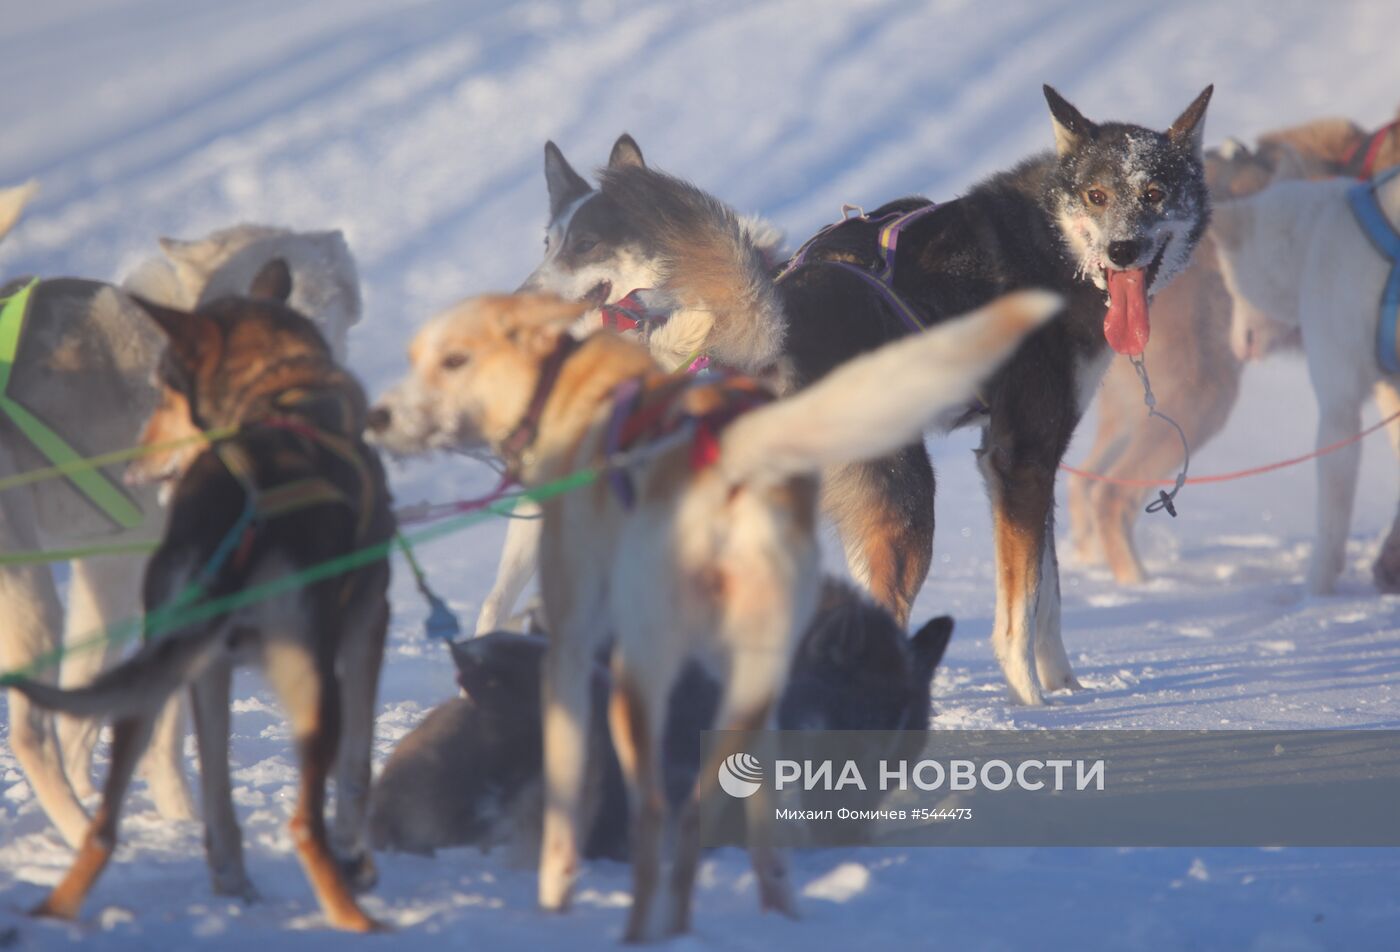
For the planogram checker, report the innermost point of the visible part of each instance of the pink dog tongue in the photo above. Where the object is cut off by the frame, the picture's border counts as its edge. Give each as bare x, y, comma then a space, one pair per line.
1125, 325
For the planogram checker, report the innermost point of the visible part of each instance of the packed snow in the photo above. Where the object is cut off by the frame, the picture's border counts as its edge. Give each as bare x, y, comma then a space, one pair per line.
417, 127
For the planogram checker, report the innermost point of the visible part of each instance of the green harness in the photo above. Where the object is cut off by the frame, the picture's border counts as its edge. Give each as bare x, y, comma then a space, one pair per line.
92, 483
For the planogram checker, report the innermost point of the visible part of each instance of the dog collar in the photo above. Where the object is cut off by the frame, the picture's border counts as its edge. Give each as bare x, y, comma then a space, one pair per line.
518, 443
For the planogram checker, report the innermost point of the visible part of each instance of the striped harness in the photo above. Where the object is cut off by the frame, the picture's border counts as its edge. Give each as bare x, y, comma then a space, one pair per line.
880, 279
1371, 217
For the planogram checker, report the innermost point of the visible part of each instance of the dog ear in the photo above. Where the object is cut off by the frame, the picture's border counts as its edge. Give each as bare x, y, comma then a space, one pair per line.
1189, 128
565, 185
626, 154
1284, 162
928, 645
273, 282
1071, 128
193, 338
12, 202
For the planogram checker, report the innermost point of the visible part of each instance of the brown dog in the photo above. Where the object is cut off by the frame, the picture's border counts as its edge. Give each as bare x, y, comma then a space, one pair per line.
1195, 375
292, 488
700, 544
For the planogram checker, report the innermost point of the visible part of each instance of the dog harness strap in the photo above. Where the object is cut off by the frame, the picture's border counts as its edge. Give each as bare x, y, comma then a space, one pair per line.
90, 482
883, 279
624, 404
518, 442
889, 238
1367, 166
630, 313
1371, 217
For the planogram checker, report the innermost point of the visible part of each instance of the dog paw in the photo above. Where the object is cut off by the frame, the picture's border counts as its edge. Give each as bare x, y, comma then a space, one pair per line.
236, 885
354, 919
360, 873
1386, 571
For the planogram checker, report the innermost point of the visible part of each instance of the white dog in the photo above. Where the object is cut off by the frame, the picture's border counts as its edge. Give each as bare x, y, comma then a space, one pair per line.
1295, 254
84, 367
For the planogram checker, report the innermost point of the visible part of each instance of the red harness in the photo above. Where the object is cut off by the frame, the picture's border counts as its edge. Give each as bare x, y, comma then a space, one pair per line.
1367, 150
640, 416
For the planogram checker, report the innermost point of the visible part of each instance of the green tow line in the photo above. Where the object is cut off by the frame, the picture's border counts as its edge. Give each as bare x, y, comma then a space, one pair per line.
99, 490
179, 613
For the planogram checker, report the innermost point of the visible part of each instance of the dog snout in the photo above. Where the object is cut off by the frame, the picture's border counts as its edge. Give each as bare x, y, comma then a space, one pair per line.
380, 418
1124, 253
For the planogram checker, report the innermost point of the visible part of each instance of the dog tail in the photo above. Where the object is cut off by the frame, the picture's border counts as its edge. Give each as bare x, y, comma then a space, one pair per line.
880, 401
137, 686
927, 648
12, 202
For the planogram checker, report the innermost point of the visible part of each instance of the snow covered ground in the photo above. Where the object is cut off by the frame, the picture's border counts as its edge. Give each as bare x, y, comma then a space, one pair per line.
417, 127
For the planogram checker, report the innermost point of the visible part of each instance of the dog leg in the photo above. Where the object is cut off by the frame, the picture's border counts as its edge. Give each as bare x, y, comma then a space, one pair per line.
1336, 492
636, 738
33, 617
1386, 571
1051, 662
129, 738
1150, 452
223, 841
518, 559
1084, 495
883, 511
362, 654
100, 592
164, 767
308, 689
566, 699
1022, 496
755, 683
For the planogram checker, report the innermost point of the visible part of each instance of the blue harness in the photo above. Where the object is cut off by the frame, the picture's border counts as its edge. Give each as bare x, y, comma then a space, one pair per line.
1369, 215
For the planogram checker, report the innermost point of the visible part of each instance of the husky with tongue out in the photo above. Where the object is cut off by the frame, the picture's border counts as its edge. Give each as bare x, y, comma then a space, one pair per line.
1104, 220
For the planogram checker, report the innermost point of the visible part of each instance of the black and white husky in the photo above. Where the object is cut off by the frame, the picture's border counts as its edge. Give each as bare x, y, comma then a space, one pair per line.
702, 277
1106, 219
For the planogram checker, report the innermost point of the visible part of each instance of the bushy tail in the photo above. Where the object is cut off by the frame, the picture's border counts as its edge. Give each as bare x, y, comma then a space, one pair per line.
12, 202
139, 685
882, 400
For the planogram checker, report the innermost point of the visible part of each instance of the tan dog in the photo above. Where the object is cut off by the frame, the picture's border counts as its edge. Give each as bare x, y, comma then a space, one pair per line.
313, 492
1194, 373
717, 560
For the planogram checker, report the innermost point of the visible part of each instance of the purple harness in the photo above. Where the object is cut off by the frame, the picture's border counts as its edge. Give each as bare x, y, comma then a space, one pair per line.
883, 279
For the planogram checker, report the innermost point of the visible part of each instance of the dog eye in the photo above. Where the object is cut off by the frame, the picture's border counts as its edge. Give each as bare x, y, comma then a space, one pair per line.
583, 245
453, 361
1096, 197
1153, 195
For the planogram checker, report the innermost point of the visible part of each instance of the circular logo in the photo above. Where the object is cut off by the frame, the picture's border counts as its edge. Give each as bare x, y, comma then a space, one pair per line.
740, 775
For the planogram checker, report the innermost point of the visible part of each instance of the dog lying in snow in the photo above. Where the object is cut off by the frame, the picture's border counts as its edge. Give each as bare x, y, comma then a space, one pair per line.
84, 367
703, 548
469, 774
1195, 375
1295, 255
311, 491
